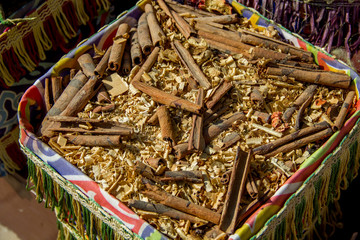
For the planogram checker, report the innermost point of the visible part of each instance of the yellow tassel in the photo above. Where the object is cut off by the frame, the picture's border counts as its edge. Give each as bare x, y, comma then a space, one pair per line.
104, 3
10, 138
81, 15
324, 187
62, 24
23, 56
5, 74
309, 207
42, 40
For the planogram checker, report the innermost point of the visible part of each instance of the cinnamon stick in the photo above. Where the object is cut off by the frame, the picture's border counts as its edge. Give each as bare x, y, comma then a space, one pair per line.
118, 47
47, 95
230, 140
144, 35
291, 137
196, 139
263, 41
218, 93
68, 94
301, 142
166, 127
211, 114
192, 83
339, 121
301, 112
81, 98
136, 54
164, 210
251, 187
103, 64
330, 79
215, 129
153, 120
167, 98
309, 91
56, 87
126, 61
236, 188
182, 150
94, 141
180, 204
146, 171
87, 64
157, 34
155, 162
186, 176
230, 40
147, 65
94, 126
222, 19
182, 25
191, 65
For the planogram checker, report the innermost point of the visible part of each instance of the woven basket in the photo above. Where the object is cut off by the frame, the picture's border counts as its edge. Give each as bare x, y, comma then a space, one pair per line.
87, 211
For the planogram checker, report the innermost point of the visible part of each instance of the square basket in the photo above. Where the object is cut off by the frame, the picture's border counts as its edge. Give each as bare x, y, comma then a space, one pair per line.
86, 211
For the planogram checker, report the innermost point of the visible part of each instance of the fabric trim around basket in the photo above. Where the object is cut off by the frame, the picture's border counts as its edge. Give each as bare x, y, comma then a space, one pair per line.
33, 100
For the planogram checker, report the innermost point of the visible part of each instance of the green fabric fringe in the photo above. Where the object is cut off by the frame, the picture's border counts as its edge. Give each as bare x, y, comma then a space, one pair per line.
54, 196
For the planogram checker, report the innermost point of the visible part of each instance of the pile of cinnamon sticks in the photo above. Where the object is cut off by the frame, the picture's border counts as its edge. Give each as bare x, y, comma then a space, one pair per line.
207, 115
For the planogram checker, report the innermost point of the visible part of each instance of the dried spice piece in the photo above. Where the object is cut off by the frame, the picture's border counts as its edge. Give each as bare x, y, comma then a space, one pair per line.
87, 64
68, 94
180, 204
94, 141
222, 19
326, 78
82, 97
191, 65
144, 35
301, 112
291, 137
136, 54
118, 47
267, 42
181, 150
215, 129
165, 122
56, 87
301, 142
196, 139
251, 187
306, 94
230, 140
146, 171
47, 95
91, 126
186, 176
218, 93
164, 210
167, 98
147, 64
236, 187
211, 114
103, 64
126, 61
103, 96
344, 110
157, 34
